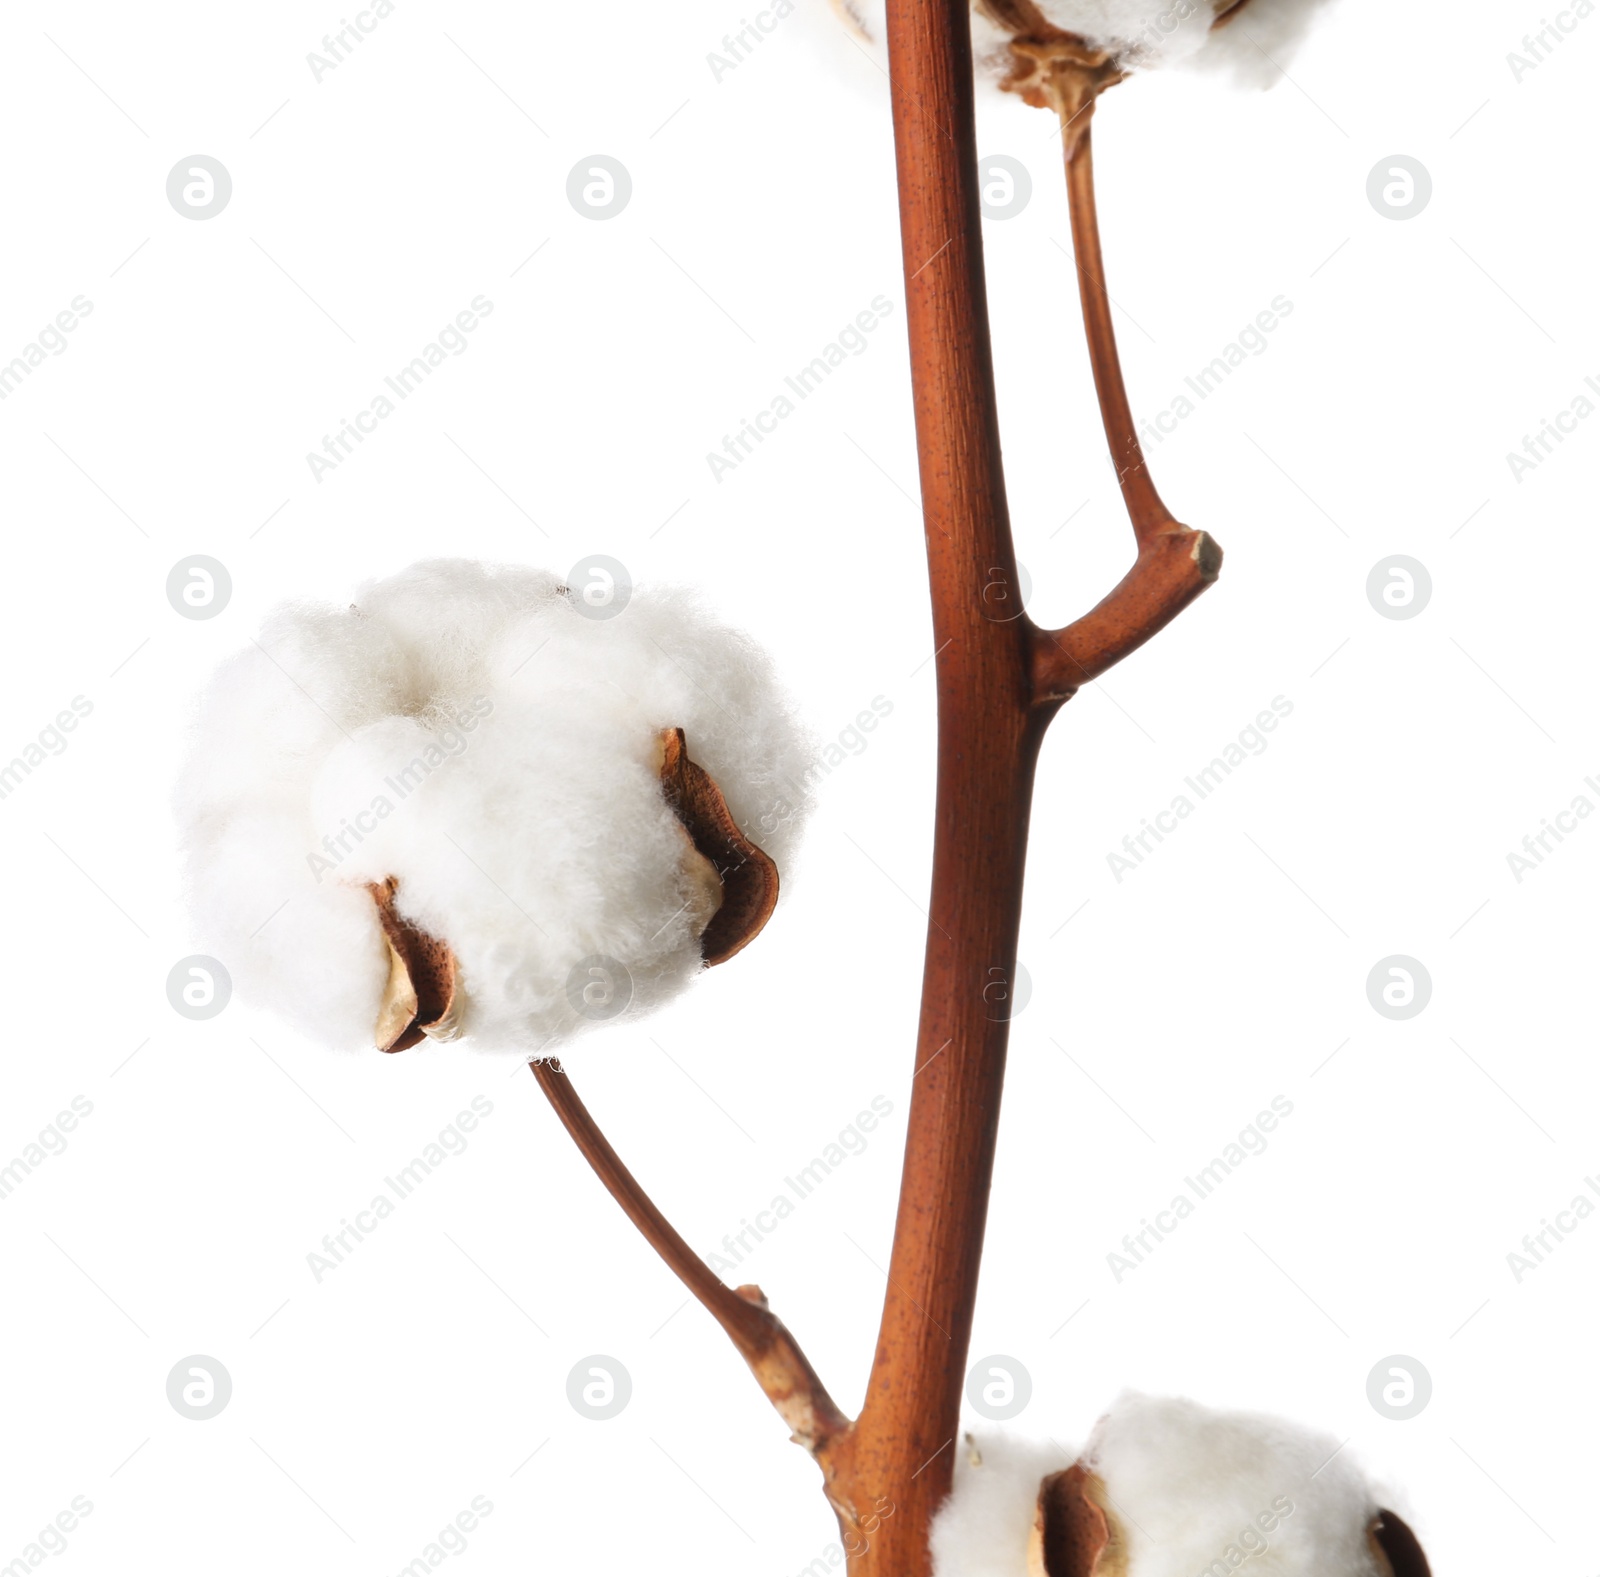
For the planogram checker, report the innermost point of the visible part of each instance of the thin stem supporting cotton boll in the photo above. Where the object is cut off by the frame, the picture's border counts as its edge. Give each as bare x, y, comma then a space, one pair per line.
1149, 515
784, 1372
1175, 564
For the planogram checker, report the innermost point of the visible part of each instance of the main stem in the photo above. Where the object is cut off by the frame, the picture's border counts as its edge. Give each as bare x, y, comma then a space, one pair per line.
902, 1447
1000, 680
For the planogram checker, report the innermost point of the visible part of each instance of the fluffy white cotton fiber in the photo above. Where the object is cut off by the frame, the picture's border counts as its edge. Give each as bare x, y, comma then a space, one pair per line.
984, 1527
1193, 1486
1193, 1490
1139, 32
465, 730
1251, 44
1260, 41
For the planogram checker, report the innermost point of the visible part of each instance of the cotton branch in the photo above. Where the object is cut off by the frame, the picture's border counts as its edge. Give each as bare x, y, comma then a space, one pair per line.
763, 1341
1172, 569
1174, 564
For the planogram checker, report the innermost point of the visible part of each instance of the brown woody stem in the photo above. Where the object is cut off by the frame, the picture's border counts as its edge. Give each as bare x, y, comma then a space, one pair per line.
763, 1341
1174, 564
1145, 509
1000, 679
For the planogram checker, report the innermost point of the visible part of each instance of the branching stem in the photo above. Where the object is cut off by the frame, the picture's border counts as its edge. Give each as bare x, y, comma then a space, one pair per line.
764, 1342
1000, 680
1174, 564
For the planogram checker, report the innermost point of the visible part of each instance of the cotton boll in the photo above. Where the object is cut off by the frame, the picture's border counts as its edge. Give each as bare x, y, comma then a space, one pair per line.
1139, 33
270, 715
1168, 1488
311, 955
445, 615
653, 663
1247, 40
1191, 1487
1254, 45
983, 1529
463, 733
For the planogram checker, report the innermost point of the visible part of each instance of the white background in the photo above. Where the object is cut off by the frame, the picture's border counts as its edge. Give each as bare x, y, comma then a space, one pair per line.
367, 210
